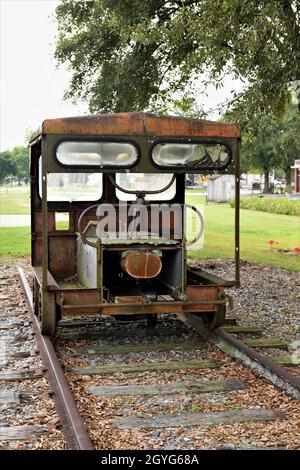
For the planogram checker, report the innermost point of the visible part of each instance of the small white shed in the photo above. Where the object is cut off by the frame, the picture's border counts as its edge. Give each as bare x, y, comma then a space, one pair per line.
220, 188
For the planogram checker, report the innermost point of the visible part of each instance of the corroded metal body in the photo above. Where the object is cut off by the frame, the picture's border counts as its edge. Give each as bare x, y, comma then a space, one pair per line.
86, 278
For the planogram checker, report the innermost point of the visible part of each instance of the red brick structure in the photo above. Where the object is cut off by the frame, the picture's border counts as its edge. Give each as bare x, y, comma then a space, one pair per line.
296, 169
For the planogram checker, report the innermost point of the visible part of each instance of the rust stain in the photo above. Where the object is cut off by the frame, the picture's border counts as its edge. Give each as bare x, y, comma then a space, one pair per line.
139, 124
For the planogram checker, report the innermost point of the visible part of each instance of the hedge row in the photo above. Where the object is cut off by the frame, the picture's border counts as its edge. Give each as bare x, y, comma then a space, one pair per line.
274, 206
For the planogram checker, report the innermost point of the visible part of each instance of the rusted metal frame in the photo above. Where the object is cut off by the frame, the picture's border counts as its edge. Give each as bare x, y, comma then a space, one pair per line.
72, 293
144, 164
108, 307
184, 245
61, 233
237, 216
33, 189
208, 278
183, 270
184, 262
100, 269
35, 152
147, 246
44, 224
73, 427
138, 311
138, 124
52, 284
174, 291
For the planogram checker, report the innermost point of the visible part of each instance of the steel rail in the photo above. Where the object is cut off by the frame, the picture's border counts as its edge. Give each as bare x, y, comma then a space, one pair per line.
73, 427
261, 365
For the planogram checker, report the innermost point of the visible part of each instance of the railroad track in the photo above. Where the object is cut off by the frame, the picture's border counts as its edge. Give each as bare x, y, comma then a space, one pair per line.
144, 390
74, 429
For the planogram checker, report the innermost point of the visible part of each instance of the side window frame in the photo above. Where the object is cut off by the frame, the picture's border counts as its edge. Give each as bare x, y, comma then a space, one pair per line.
39, 185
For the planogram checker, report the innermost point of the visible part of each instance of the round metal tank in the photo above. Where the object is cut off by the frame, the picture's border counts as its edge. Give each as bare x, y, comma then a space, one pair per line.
141, 264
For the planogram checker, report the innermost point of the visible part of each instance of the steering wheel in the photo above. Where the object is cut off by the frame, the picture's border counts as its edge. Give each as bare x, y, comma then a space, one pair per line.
94, 245
80, 231
141, 192
200, 216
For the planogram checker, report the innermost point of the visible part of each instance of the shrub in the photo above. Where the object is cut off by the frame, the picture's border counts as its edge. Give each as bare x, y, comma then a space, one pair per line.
274, 206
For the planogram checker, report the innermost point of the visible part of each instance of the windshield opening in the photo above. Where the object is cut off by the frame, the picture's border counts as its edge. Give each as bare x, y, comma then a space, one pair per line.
191, 155
143, 182
69, 187
103, 154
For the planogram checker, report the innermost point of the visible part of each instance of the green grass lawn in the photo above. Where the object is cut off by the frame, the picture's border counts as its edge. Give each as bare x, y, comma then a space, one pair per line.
257, 228
14, 241
14, 201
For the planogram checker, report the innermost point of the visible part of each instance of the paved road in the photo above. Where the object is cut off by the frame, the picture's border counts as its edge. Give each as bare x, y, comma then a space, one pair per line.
14, 220
22, 220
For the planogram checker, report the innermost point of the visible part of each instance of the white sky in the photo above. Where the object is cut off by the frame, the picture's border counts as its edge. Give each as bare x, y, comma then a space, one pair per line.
32, 87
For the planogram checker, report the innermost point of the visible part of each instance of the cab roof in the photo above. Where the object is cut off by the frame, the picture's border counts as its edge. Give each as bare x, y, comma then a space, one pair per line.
132, 124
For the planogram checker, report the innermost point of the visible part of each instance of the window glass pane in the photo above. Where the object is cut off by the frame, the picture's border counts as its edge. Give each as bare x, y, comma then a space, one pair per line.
144, 182
72, 186
204, 155
96, 153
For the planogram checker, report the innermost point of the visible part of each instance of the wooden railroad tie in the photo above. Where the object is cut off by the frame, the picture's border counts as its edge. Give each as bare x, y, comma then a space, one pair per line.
266, 343
242, 330
136, 348
16, 433
20, 374
14, 397
287, 360
198, 419
167, 389
150, 366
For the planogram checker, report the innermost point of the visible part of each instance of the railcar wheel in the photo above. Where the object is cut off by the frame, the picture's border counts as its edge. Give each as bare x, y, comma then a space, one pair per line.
151, 320
129, 317
213, 320
47, 319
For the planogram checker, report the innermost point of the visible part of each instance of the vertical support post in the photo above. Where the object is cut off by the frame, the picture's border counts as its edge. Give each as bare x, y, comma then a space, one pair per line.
100, 269
237, 217
33, 170
44, 223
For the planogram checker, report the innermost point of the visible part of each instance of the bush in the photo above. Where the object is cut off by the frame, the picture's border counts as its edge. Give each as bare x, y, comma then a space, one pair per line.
274, 206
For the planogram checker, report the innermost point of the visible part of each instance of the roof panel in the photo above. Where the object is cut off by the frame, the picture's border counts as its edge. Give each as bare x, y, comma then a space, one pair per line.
138, 124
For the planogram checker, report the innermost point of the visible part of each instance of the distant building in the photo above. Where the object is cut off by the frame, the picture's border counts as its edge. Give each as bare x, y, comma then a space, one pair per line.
247, 179
296, 168
220, 188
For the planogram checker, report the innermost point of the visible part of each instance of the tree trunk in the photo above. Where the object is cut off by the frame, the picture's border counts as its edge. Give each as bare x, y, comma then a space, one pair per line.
287, 173
266, 184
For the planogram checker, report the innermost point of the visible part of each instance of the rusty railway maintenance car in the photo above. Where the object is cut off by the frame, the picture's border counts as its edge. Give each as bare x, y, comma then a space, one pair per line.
101, 243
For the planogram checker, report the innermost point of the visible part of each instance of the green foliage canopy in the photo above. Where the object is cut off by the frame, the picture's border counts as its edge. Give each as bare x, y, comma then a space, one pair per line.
7, 168
272, 143
14, 164
128, 55
288, 140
